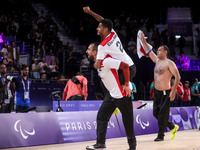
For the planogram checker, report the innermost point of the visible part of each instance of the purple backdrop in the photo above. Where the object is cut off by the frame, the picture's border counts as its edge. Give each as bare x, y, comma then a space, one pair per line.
185, 117
84, 105
29, 129
40, 93
144, 122
77, 105
26, 129
78, 127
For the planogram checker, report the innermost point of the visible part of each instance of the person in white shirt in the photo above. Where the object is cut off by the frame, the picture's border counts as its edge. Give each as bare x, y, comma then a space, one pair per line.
85, 62
43, 65
110, 44
4, 51
118, 97
53, 70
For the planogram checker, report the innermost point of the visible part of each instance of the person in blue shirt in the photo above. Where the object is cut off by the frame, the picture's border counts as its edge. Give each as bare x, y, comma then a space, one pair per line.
195, 94
134, 90
23, 90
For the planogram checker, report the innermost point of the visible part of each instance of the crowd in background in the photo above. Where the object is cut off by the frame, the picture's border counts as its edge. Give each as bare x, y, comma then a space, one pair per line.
187, 94
53, 59
34, 29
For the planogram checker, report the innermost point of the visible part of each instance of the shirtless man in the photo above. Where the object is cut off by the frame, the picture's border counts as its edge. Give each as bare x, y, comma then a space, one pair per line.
163, 72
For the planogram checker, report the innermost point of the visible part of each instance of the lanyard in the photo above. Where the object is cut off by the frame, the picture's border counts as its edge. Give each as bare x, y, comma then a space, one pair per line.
23, 83
3, 80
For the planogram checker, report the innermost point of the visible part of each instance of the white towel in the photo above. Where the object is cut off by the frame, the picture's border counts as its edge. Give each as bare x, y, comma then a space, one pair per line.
140, 50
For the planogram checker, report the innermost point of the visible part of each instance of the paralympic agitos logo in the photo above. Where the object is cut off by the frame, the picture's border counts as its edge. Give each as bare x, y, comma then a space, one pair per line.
141, 123
24, 133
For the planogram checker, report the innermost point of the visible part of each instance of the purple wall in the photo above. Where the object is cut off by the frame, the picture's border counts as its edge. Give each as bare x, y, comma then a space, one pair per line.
28, 129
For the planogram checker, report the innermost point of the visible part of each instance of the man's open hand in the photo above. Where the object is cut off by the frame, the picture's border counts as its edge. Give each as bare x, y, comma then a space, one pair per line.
127, 90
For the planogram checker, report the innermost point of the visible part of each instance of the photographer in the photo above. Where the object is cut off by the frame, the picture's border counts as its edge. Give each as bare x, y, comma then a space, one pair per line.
23, 90
76, 88
6, 91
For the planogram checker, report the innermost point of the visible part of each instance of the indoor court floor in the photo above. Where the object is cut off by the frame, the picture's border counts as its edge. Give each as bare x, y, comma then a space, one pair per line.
185, 140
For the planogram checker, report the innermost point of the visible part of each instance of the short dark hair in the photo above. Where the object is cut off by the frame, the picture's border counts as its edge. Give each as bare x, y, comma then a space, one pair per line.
79, 74
107, 23
1, 64
165, 47
96, 44
195, 80
23, 66
187, 82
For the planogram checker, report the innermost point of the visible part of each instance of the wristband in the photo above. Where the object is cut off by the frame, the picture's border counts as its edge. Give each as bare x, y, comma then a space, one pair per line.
148, 51
127, 83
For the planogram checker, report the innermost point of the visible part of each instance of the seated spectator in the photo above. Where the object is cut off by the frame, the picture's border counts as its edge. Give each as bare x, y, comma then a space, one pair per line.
35, 69
9, 62
53, 67
43, 66
62, 79
38, 55
43, 76
85, 62
4, 51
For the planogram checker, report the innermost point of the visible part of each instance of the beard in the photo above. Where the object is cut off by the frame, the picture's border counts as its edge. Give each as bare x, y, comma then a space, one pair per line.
91, 57
25, 74
3, 72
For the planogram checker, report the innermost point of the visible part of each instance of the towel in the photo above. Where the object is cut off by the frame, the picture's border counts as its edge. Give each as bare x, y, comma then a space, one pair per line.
140, 50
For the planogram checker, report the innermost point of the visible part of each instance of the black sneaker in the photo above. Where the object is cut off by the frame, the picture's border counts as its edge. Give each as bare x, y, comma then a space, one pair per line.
96, 146
132, 143
159, 139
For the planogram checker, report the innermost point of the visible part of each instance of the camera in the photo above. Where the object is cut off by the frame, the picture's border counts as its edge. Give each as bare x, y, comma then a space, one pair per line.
56, 93
56, 96
11, 78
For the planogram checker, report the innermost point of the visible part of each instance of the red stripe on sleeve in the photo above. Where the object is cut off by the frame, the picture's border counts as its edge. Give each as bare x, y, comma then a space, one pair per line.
114, 71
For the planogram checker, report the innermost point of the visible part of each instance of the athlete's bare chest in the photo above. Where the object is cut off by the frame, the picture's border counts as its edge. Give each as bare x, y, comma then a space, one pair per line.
161, 67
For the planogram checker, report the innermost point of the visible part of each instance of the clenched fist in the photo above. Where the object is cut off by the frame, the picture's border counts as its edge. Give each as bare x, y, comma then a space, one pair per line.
86, 9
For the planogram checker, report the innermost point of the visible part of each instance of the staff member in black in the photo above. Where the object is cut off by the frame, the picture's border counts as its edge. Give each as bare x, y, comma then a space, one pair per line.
6, 91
